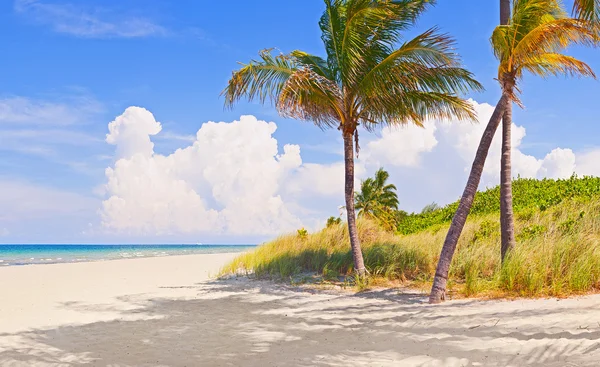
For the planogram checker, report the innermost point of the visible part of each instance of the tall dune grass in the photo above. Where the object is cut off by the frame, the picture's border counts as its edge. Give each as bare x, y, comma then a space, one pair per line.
557, 254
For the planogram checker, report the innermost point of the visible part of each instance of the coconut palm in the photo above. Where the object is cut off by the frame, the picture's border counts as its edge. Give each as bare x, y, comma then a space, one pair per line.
587, 10
368, 78
377, 199
533, 41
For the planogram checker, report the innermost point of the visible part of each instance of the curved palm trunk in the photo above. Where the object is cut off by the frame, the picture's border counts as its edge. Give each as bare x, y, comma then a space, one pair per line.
359, 265
507, 223
438, 290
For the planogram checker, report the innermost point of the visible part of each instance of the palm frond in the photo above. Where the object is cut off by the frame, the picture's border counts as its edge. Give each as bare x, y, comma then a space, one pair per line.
588, 10
557, 64
263, 79
428, 49
315, 63
332, 25
414, 107
309, 96
554, 36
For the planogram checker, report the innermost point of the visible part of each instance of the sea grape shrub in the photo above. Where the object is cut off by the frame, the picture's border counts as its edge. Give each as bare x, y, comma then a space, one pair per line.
486, 230
529, 196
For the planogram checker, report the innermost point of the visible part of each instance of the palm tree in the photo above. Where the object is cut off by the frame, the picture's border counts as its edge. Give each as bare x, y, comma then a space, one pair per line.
588, 10
367, 78
377, 199
533, 41
333, 221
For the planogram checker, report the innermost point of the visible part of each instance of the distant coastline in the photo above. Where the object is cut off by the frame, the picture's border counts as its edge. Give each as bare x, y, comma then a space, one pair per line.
29, 254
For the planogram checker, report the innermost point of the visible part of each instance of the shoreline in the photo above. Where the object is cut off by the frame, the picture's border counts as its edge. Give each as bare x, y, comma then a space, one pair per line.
21, 255
167, 311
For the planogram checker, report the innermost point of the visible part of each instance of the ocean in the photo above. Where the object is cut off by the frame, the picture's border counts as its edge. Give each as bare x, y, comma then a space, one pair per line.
12, 255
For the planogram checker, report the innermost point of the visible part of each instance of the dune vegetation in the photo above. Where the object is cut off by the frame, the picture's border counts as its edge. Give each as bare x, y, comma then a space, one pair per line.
557, 225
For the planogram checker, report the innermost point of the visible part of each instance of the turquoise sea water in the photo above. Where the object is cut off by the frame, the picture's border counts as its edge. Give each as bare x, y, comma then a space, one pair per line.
11, 255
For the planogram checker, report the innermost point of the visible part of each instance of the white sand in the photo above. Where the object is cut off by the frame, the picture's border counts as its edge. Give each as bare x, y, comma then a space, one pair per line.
166, 312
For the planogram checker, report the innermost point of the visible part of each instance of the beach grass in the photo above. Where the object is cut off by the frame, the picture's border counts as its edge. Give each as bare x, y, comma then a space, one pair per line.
557, 254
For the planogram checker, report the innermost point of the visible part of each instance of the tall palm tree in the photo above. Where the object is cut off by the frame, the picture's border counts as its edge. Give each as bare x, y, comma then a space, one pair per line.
377, 199
533, 41
368, 78
587, 10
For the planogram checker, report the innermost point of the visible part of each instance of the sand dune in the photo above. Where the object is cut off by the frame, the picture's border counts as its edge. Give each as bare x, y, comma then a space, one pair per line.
167, 312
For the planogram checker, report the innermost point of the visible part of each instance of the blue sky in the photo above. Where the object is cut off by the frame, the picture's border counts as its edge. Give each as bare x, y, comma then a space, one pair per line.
70, 67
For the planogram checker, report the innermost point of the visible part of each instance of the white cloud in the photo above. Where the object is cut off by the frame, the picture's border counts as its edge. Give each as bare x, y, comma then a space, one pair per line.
588, 163
226, 182
234, 179
400, 146
131, 132
87, 22
559, 163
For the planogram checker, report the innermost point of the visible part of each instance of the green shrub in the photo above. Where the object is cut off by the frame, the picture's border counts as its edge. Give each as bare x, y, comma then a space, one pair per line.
487, 229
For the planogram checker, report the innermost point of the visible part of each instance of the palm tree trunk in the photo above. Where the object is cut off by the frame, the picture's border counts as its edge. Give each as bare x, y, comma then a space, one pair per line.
359, 265
504, 11
507, 223
438, 290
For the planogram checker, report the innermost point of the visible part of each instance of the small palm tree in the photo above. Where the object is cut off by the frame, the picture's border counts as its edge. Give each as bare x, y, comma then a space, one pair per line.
377, 199
532, 41
333, 221
368, 79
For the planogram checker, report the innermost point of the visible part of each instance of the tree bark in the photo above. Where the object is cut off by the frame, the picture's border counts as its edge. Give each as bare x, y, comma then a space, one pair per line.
504, 11
359, 265
507, 223
438, 290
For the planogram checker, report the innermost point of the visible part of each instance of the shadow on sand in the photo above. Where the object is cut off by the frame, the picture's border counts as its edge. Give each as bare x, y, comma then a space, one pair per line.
253, 323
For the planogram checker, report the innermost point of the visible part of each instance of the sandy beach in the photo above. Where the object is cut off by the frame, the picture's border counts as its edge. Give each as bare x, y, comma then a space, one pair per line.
168, 312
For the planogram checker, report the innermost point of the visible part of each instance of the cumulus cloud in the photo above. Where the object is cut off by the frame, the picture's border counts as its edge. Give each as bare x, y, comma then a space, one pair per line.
85, 22
400, 146
235, 179
587, 163
227, 181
